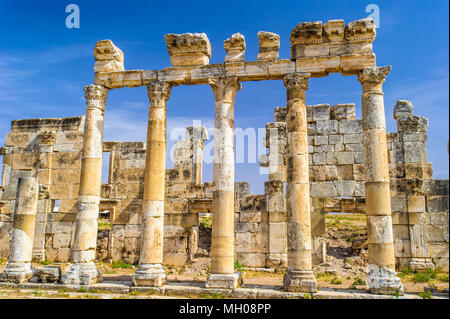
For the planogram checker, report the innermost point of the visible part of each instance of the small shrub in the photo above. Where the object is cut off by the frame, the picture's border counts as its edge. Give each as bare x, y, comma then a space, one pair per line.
405, 272
336, 281
307, 295
120, 264
82, 289
421, 277
46, 262
238, 266
2, 261
425, 294
397, 293
443, 278
358, 282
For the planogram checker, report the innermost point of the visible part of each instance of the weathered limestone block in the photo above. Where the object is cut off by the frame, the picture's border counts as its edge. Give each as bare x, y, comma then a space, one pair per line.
343, 111
188, 49
235, 48
334, 30
412, 124
47, 274
403, 108
108, 57
269, 44
362, 29
306, 41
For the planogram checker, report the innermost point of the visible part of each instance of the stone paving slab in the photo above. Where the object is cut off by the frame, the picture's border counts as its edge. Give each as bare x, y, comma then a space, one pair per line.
196, 290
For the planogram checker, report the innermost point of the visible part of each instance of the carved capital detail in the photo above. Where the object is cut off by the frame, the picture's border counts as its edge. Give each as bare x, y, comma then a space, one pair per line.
296, 81
158, 93
47, 137
95, 96
224, 87
375, 74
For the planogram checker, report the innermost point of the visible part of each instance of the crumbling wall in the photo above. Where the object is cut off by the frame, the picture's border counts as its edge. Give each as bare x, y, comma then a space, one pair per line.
336, 158
49, 149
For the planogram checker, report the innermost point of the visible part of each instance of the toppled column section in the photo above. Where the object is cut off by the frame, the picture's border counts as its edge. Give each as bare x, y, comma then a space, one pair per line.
19, 267
188, 49
299, 274
108, 57
222, 241
150, 271
83, 271
269, 44
382, 277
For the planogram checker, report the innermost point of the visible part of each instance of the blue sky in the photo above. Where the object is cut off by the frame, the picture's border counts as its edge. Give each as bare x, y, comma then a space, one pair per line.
44, 65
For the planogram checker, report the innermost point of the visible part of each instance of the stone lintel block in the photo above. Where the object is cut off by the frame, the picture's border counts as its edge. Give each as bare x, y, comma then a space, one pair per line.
133, 78
318, 66
352, 64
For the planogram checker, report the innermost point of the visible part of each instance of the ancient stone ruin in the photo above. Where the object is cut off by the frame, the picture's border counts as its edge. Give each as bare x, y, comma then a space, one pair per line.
329, 160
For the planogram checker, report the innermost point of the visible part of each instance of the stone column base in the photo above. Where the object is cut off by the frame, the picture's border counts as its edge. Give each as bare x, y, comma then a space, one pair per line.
149, 275
17, 272
82, 274
383, 281
299, 281
420, 264
226, 281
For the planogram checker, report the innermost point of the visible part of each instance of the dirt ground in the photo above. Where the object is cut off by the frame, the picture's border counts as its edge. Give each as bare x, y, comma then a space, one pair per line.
346, 238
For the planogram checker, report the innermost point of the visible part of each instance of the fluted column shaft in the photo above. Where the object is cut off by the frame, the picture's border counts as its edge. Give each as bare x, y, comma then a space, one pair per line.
83, 270
19, 267
299, 275
222, 241
381, 257
151, 272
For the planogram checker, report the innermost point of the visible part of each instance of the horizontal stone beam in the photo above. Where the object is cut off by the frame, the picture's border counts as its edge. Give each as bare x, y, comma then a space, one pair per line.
318, 66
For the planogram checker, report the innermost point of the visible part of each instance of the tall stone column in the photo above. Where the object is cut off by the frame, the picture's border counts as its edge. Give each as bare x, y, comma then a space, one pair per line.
150, 271
222, 242
299, 275
82, 270
19, 267
382, 277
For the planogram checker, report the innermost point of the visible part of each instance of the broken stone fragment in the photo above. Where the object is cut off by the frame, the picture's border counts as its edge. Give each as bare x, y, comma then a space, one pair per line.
362, 29
307, 33
334, 30
269, 44
403, 108
235, 48
108, 57
188, 48
47, 274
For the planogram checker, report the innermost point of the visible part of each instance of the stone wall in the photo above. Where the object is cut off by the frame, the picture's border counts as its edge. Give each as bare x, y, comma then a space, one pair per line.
419, 203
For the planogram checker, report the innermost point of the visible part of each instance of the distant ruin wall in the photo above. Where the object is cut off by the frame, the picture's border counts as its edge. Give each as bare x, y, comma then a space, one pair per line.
50, 149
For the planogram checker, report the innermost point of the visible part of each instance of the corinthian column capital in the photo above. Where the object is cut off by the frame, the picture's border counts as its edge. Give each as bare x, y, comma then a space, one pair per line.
296, 80
95, 96
375, 74
158, 93
224, 87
